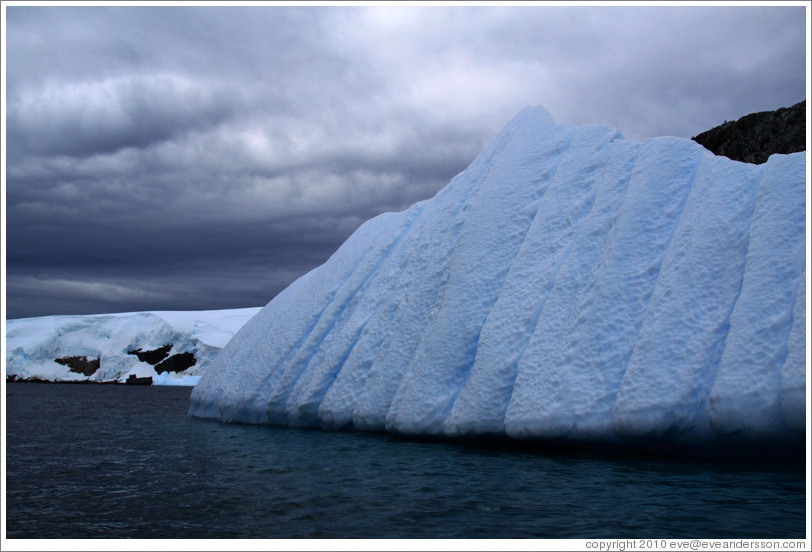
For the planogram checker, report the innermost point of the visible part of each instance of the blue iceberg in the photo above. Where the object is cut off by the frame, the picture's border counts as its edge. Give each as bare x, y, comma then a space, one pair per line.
568, 285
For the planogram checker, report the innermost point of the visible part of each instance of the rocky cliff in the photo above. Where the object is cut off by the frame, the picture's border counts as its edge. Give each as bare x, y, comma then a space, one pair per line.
754, 137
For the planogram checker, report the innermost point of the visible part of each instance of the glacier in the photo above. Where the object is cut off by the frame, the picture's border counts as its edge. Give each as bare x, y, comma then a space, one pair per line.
35, 345
568, 285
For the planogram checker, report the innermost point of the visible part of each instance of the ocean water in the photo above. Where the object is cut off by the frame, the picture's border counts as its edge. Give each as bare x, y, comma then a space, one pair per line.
87, 461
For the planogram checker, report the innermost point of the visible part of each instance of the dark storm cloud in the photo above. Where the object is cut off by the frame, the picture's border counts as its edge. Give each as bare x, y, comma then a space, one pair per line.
195, 158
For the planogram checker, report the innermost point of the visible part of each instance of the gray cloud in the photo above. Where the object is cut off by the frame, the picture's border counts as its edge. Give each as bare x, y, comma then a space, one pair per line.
114, 114
204, 157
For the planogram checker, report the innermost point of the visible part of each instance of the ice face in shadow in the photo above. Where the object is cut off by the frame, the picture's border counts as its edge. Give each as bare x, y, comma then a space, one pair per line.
568, 284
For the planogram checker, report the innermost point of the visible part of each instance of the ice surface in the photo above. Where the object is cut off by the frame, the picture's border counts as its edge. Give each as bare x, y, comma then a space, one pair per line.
568, 284
33, 344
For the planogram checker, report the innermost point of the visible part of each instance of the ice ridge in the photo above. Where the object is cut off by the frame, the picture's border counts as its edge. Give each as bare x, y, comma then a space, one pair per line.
567, 285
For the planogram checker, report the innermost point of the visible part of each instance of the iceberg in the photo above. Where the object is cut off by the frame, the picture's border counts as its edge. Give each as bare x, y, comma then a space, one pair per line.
568, 285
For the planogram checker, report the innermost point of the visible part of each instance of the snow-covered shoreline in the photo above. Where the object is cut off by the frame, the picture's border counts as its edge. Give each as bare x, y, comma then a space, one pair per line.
170, 347
162, 380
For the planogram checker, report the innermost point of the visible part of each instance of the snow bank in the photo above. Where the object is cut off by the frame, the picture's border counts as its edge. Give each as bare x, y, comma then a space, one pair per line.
568, 284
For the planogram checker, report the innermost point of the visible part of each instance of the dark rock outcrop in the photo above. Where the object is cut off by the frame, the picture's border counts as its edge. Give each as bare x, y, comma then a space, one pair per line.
135, 380
158, 358
176, 363
79, 364
13, 378
754, 137
152, 357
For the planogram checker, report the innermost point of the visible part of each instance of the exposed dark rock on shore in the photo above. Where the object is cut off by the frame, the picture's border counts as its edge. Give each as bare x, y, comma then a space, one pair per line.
135, 380
176, 363
132, 380
158, 358
753, 138
13, 378
152, 357
80, 365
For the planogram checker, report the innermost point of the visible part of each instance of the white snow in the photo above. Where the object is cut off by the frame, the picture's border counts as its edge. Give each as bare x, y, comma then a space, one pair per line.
568, 284
34, 343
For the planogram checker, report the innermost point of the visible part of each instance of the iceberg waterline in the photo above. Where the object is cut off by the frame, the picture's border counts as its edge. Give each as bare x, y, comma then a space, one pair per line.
567, 284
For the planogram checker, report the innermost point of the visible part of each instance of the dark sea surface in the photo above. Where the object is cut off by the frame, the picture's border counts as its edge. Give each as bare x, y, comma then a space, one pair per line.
109, 461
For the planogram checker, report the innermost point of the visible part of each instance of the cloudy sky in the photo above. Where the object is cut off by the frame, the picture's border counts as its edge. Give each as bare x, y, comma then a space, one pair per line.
189, 158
